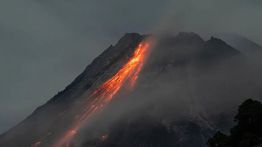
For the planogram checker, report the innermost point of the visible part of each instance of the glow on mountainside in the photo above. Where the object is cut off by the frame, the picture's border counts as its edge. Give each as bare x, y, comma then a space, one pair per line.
102, 96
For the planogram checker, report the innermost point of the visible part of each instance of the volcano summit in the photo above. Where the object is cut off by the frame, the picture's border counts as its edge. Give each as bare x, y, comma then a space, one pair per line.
146, 91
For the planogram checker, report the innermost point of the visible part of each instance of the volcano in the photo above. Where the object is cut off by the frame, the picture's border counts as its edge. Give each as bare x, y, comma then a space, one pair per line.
145, 91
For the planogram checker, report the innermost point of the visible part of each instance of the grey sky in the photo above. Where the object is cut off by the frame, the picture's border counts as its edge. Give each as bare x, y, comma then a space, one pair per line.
45, 44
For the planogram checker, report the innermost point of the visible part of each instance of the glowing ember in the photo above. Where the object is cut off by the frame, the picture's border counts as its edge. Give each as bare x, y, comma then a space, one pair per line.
104, 137
103, 95
36, 144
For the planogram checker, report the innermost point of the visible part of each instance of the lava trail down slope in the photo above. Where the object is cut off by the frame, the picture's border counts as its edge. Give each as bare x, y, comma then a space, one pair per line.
102, 96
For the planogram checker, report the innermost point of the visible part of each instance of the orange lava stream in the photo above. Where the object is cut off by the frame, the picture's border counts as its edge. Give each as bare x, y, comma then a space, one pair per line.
36, 144
128, 74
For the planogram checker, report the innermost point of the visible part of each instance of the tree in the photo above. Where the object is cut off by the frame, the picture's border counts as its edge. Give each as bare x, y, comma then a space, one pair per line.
247, 132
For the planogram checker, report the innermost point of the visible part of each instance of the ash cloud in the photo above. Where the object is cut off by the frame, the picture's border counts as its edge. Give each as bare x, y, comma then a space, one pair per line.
45, 44
210, 17
173, 90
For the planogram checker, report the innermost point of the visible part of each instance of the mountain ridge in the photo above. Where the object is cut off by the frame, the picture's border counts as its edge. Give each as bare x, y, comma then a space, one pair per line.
121, 51
177, 51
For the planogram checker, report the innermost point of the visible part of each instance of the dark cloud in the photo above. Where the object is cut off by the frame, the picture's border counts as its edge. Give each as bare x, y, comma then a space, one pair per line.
44, 44
211, 16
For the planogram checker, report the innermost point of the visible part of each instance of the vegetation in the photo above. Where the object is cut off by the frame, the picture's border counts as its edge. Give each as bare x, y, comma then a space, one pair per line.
247, 132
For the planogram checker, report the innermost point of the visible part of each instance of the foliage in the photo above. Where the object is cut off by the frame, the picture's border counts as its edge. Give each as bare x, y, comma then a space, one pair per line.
247, 132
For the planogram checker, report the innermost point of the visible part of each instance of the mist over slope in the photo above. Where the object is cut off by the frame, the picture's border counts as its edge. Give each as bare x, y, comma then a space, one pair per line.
59, 110
188, 89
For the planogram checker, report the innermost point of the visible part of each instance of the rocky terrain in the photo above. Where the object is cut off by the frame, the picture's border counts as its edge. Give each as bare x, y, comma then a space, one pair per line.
188, 89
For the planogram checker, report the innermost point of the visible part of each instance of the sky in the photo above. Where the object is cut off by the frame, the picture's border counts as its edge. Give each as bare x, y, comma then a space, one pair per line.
45, 44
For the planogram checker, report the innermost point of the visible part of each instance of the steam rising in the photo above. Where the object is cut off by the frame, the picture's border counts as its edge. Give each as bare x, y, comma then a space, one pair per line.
172, 87
55, 40
102, 96
169, 90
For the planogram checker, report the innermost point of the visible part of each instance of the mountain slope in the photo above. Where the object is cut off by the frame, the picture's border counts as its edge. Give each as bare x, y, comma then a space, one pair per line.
186, 85
244, 45
41, 122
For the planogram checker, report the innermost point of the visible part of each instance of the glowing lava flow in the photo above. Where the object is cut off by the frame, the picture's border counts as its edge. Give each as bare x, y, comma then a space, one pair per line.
103, 95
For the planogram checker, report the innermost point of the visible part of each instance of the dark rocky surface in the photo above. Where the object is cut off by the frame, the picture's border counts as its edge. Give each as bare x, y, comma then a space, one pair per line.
204, 74
56, 112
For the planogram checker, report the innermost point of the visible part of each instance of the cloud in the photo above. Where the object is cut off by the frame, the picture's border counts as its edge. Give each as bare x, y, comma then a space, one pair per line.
45, 44
212, 16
